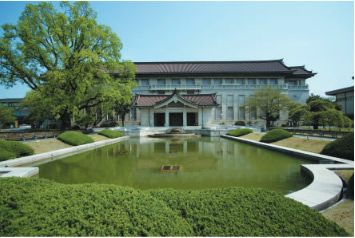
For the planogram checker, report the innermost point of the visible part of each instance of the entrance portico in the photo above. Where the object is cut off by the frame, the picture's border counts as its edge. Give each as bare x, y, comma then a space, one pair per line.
175, 110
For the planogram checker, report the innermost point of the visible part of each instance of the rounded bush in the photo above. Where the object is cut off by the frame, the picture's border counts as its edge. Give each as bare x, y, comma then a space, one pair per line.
240, 132
75, 138
110, 133
18, 148
341, 148
6, 155
275, 135
239, 123
39, 207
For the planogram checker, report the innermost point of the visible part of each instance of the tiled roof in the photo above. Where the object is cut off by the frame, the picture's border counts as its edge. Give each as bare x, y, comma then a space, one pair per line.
300, 70
195, 99
11, 99
269, 66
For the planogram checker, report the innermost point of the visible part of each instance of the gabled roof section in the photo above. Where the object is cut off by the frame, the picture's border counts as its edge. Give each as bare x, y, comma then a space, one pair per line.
265, 66
191, 100
301, 71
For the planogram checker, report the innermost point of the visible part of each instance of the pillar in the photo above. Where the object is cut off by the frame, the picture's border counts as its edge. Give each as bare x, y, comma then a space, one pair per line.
166, 118
184, 118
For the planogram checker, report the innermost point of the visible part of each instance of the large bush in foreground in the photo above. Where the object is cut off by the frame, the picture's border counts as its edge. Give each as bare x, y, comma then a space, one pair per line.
275, 135
341, 148
110, 133
239, 132
74, 138
38, 207
14, 149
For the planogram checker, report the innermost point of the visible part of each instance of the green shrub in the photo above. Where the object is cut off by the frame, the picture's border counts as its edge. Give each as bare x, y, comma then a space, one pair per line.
74, 138
275, 135
239, 123
109, 124
341, 148
39, 207
239, 132
18, 148
6, 155
110, 133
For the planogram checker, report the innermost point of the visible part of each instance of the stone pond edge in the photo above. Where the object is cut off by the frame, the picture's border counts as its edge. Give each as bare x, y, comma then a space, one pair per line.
326, 188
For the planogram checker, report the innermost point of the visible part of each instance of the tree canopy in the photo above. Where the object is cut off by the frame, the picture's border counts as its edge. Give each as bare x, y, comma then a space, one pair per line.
66, 57
270, 102
6, 116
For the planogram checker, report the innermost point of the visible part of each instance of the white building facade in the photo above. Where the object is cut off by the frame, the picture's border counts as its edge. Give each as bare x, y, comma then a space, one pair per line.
210, 93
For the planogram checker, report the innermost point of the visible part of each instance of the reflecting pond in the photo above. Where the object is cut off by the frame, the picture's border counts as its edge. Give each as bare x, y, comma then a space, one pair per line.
206, 162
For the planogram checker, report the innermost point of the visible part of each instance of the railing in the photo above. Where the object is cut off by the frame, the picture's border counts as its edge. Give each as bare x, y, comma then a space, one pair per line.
224, 86
317, 133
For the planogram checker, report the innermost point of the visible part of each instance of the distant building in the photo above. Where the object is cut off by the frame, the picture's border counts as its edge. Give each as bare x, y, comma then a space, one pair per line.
210, 93
344, 97
15, 104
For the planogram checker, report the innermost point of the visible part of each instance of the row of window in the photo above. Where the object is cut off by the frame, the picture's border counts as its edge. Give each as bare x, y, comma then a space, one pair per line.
249, 81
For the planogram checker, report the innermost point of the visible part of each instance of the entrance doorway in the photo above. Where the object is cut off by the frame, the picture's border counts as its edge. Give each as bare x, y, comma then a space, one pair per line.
175, 119
192, 119
159, 119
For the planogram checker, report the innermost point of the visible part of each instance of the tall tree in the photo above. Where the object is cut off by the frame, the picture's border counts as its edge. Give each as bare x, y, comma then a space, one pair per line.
66, 56
6, 116
298, 113
270, 101
317, 108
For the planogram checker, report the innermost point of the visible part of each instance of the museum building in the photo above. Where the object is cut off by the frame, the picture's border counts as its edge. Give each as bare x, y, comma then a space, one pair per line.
210, 92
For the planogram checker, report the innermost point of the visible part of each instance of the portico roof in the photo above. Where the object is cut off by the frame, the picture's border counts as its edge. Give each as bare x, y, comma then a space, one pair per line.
192, 100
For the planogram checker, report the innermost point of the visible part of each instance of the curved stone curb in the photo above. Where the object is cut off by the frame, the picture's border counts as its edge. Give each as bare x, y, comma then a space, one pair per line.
326, 187
6, 166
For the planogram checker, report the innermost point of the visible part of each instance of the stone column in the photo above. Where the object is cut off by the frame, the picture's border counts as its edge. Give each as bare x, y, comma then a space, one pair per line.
166, 118
184, 118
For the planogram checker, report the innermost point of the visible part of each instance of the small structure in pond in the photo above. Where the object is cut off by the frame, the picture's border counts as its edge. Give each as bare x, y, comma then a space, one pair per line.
175, 132
171, 168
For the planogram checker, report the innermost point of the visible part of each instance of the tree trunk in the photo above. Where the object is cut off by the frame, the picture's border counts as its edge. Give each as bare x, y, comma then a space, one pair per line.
66, 121
122, 118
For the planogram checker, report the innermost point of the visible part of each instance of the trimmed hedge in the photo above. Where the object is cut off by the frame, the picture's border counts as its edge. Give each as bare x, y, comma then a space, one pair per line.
240, 132
275, 135
341, 148
239, 123
75, 138
110, 133
9, 149
39, 207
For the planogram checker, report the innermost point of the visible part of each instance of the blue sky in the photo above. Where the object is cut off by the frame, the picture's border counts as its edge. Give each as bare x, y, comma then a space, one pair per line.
319, 35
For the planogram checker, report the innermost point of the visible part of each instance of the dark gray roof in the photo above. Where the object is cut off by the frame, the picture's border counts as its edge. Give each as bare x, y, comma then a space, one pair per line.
11, 99
219, 67
341, 90
195, 99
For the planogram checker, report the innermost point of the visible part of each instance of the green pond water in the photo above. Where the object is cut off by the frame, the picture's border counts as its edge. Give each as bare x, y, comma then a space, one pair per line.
206, 162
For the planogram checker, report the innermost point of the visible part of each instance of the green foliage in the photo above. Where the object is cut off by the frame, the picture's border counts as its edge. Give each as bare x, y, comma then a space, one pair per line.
6, 116
109, 124
298, 113
84, 120
111, 133
347, 122
240, 132
341, 148
270, 101
239, 123
18, 148
74, 138
38, 207
275, 135
6, 155
65, 56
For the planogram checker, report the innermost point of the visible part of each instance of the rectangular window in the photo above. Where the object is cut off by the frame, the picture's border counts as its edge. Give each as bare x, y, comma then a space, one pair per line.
190, 81
230, 113
206, 81
161, 82
219, 99
273, 81
133, 114
144, 82
240, 81
291, 83
228, 81
230, 100
241, 102
218, 113
262, 81
218, 82
251, 81
253, 113
175, 82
